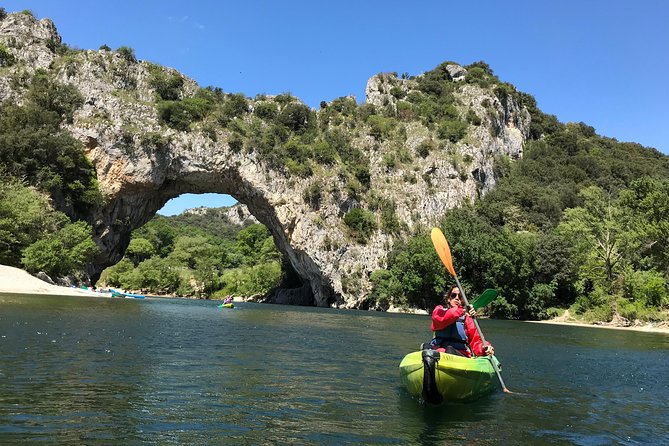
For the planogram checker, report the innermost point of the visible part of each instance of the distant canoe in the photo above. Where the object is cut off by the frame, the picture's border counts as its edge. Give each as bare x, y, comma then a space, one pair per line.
226, 305
119, 293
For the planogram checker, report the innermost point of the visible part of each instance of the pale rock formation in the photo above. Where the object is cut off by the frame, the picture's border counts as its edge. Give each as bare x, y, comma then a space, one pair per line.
141, 164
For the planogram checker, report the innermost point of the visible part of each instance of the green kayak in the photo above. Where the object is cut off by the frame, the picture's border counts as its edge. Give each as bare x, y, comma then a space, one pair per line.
437, 377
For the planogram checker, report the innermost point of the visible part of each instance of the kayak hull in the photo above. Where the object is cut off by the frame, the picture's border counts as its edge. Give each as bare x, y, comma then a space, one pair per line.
117, 293
230, 305
456, 378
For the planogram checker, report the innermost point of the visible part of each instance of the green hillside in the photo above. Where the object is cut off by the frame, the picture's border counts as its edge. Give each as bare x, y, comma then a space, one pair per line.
580, 222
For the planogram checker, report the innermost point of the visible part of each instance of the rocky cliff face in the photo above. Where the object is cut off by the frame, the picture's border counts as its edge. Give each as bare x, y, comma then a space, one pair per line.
141, 163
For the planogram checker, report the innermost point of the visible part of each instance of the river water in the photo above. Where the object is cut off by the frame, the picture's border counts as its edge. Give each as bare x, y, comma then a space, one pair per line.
88, 370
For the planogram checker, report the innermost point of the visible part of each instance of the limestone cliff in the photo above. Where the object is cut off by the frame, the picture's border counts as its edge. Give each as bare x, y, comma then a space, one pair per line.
141, 161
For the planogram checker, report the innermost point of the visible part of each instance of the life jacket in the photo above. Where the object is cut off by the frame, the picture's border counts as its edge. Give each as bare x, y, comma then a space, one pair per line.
453, 335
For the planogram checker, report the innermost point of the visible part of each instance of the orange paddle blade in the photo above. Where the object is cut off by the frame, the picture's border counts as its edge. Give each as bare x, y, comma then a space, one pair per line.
443, 250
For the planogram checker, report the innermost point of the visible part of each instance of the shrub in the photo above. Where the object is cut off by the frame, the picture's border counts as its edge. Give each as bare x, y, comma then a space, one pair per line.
284, 98
266, 110
453, 131
167, 86
397, 92
473, 118
386, 290
323, 153
380, 127
312, 196
297, 117
647, 287
25, 216
51, 95
345, 105
235, 106
362, 224
127, 53
180, 114
34, 147
7, 59
236, 143
425, 147
66, 252
405, 110
362, 174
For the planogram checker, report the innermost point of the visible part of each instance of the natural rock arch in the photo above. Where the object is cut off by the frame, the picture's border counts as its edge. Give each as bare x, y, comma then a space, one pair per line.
141, 163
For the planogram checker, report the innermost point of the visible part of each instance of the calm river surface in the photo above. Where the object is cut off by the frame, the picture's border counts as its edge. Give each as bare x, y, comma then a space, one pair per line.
80, 370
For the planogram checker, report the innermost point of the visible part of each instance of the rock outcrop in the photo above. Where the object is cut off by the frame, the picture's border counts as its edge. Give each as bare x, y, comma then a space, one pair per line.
141, 163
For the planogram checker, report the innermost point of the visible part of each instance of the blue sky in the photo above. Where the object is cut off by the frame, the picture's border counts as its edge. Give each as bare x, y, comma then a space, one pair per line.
602, 62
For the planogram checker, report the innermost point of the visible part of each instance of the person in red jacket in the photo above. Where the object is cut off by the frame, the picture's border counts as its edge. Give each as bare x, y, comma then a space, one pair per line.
454, 329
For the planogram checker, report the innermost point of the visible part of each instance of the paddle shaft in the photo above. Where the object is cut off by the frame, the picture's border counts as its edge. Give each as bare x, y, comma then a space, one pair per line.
494, 365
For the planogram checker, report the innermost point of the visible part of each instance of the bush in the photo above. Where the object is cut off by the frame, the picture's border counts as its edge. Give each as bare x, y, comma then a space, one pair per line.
453, 131
249, 281
323, 153
7, 59
397, 92
127, 53
297, 117
66, 252
25, 217
34, 147
473, 118
380, 127
235, 106
312, 196
386, 290
180, 114
345, 105
362, 224
51, 95
167, 86
647, 287
266, 110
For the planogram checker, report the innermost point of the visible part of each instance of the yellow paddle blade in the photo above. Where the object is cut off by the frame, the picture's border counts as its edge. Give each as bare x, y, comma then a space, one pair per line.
443, 250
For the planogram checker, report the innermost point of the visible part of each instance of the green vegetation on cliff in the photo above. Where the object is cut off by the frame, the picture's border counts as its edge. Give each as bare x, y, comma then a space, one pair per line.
580, 222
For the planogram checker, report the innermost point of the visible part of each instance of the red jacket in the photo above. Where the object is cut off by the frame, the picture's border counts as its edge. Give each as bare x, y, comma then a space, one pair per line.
442, 317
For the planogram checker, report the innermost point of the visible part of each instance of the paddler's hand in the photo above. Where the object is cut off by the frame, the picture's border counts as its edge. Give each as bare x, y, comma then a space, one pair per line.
471, 311
489, 350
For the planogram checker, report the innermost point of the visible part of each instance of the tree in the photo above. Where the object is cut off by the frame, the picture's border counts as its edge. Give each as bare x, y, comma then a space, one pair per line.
603, 241
25, 216
66, 252
139, 250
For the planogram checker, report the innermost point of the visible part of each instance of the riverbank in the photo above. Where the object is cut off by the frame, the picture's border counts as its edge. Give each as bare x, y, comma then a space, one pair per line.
567, 319
16, 281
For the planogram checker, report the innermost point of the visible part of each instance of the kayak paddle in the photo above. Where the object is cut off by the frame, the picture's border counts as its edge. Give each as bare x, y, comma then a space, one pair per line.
485, 298
444, 253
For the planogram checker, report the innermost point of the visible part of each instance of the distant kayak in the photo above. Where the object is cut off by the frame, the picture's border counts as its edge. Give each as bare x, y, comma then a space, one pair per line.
436, 377
119, 293
226, 305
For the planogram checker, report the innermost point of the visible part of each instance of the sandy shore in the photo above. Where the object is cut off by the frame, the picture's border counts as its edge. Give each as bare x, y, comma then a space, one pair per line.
17, 281
648, 328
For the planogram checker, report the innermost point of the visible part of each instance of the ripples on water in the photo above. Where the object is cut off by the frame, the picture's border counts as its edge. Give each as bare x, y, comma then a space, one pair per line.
170, 371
